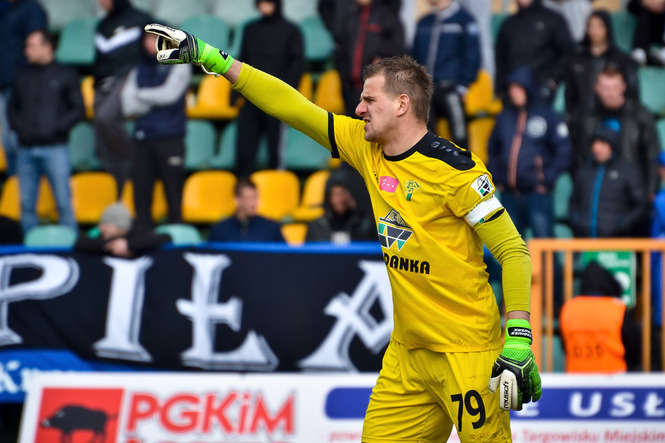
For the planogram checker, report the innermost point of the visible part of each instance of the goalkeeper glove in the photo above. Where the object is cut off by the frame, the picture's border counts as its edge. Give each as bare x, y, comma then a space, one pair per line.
177, 46
515, 373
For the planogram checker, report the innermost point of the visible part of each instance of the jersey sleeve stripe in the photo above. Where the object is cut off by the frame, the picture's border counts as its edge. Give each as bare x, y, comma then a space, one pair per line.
331, 136
481, 210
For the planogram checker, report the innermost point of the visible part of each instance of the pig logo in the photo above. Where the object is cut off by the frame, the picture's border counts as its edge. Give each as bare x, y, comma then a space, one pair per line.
79, 415
71, 418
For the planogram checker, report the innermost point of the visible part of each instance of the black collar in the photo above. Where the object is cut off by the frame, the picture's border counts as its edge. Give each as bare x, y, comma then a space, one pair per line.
427, 140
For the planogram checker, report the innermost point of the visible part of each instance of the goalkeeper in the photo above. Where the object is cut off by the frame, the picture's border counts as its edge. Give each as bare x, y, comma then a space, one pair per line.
435, 208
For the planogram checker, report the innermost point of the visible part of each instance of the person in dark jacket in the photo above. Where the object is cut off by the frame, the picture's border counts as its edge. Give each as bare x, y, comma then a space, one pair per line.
117, 236
528, 149
534, 36
155, 95
609, 197
118, 48
597, 51
18, 19
245, 225
649, 28
46, 103
371, 29
447, 42
639, 143
347, 211
274, 45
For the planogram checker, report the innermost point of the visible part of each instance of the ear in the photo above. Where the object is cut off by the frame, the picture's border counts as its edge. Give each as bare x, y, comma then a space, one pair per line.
403, 104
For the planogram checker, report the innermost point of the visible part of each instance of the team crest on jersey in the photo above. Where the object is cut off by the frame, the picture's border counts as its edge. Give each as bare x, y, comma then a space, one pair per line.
482, 185
411, 187
393, 230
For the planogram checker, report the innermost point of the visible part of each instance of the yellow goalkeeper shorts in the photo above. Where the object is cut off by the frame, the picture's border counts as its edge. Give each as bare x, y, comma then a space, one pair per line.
421, 394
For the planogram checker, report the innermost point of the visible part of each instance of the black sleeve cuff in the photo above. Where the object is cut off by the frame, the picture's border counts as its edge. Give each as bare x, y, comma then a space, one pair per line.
331, 136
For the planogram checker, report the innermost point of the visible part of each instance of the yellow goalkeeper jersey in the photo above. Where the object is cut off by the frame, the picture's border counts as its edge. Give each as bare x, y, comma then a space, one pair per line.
441, 295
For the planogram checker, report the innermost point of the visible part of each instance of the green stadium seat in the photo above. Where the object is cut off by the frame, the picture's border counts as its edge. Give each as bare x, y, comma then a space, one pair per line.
298, 10
208, 28
660, 125
560, 99
226, 156
234, 12
61, 12
623, 24
50, 236
562, 190
497, 20
174, 12
236, 43
145, 5
318, 42
81, 144
652, 80
303, 153
562, 230
77, 43
181, 234
199, 144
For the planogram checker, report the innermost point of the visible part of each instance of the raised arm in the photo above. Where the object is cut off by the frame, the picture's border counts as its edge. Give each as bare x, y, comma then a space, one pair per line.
268, 93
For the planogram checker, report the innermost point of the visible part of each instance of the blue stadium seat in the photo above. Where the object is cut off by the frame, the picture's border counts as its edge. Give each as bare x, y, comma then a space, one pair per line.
77, 43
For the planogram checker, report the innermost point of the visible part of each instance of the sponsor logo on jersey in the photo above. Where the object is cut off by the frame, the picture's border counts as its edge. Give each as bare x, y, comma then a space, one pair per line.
406, 264
411, 187
393, 230
388, 184
482, 185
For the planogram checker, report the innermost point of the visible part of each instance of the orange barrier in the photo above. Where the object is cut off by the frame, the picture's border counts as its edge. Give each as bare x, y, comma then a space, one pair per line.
542, 287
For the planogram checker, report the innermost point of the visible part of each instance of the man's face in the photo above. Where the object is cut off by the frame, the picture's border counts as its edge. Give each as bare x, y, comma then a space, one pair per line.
266, 8
247, 202
341, 200
106, 5
37, 50
518, 95
597, 31
524, 3
601, 150
611, 91
377, 108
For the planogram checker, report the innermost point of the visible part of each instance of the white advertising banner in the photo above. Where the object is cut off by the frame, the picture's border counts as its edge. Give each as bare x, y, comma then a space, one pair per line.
302, 408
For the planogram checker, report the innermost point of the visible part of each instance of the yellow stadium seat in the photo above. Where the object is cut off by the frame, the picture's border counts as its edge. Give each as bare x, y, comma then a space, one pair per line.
3, 159
480, 131
279, 192
88, 92
208, 196
328, 93
480, 97
306, 86
443, 128
213, 100
92, 192
159, 205
10, 202
294, 233
313, 194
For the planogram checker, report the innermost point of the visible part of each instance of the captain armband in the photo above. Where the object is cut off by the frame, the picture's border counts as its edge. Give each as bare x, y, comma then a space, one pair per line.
482, 210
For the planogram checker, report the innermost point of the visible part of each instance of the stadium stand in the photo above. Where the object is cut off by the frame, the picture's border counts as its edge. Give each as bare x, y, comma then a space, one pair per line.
313, 194
294, 233
181, 234
303, 153
82, 148
173, 13
234, 12
652, 80
306, 85
208, 197
328, 93
624, 29
50, 236
199, 144
562, 190
159, 206
279, 193
660, 125
92, 192
209, 28
298, 10
62, 12
213, 100
77, 42
10, 203
318, 42
226, 155
480, 130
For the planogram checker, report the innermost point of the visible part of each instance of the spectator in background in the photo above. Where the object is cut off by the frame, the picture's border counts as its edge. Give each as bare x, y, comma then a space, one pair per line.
245, 225
155, 94
481, 10
347, 210
117, 236
639, 143
447, 43
609, 198
274, 45
118, 49
528, 149
365, 31
18, 18
575, 12
597, 51
650, 17
535, 36
599, 334
46, 103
